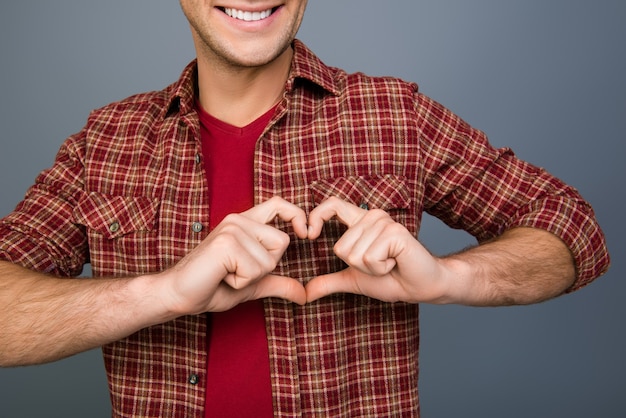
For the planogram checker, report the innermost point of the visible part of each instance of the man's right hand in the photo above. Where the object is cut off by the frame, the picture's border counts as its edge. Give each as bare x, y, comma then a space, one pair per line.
45, 318
233, 263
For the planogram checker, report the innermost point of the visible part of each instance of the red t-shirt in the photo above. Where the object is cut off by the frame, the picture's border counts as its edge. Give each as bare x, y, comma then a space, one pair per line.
238, 374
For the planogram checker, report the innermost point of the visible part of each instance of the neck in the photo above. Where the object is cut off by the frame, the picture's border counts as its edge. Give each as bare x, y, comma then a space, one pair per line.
240, 95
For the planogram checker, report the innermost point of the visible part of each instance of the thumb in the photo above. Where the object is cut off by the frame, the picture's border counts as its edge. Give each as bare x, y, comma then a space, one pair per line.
273, 286
343, 281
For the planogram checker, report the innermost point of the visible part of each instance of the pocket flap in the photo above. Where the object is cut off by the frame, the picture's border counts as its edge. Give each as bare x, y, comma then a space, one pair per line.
385, 191
115, 216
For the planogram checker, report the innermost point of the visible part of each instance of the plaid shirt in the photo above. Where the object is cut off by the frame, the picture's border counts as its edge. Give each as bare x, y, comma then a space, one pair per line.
128, 194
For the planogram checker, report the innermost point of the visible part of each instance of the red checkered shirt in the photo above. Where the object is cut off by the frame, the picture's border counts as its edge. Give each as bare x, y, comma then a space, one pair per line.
128, 194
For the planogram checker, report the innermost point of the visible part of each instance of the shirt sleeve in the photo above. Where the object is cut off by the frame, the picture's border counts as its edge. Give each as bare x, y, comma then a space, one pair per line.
486, 191
40, 234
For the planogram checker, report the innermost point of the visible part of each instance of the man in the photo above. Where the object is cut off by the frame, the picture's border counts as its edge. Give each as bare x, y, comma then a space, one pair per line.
129, 192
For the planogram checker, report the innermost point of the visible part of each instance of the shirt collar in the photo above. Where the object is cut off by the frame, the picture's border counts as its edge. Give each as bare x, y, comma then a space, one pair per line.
181, 95
305, 66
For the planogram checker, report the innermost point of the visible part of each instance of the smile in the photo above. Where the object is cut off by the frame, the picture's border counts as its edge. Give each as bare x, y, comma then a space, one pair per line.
248, 16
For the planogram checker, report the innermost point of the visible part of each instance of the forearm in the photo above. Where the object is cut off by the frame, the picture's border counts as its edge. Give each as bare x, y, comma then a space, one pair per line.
46, 318
522, 266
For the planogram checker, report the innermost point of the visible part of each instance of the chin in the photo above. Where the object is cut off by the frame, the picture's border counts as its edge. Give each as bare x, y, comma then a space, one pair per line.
256, 58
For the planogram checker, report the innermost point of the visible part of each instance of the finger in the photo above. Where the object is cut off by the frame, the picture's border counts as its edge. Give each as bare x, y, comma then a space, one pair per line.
377, 261
374, 258
264, 238
254, 254
244, 251
280, 287
355, 242
370, 245
347, 213
251, 236
225, 297
339, 282
267, 211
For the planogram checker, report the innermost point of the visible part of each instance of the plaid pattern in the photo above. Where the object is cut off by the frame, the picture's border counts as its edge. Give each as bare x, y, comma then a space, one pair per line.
126, 191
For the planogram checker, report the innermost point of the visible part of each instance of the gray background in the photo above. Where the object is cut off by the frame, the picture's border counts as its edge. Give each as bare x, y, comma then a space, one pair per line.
545, 77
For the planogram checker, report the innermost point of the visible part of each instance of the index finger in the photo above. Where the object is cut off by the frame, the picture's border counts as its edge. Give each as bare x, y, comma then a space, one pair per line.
267, 211
333, 207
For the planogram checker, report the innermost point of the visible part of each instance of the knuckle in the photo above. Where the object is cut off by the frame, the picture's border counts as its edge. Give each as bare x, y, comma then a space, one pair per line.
338, 249
396, 228
254, 272
231, 220
242, 279
238, 283
227, 238
377, 214
369, 260
267, 266
284, 240
353, 259
233, 226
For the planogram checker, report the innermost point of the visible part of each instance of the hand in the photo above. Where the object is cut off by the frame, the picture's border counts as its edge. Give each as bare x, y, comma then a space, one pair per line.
233, 263
384, 259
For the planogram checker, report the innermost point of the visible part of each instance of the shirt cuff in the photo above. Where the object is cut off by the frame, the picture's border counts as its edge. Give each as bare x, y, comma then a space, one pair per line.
575, 224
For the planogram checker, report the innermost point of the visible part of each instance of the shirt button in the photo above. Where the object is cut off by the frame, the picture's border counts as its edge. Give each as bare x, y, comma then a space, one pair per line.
194, 379
364, 206
198, 158
197, 227
114, 227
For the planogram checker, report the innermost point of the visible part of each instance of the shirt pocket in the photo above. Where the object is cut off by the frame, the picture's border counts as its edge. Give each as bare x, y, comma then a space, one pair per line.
121, 231
116, 216
379, 191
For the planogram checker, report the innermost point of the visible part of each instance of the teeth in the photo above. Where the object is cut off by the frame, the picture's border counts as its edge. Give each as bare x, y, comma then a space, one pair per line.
247, 16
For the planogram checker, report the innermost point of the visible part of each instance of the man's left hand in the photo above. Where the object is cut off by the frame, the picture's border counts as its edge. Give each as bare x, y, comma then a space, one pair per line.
385, 261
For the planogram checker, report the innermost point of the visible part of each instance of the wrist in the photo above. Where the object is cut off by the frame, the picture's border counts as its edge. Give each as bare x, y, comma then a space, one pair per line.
152, 298
456, 278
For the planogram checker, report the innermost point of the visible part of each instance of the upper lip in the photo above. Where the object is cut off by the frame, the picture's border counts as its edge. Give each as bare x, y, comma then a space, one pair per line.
250, 8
